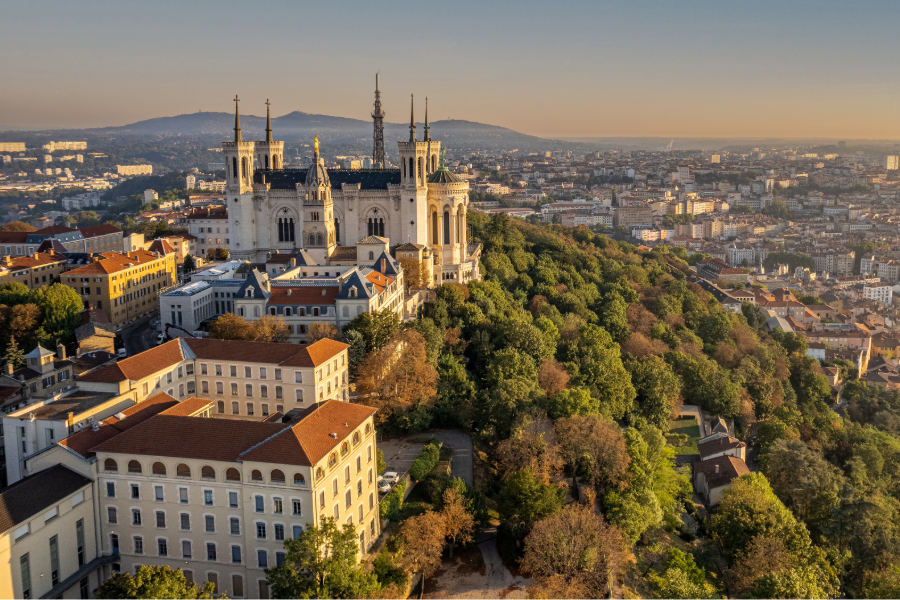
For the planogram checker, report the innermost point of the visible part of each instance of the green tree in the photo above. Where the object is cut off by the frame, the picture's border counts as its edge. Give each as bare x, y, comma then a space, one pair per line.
189, 264
455, 394
87, 218
658, 389
612, 313
154, 582
571, 402
380, 463
705, 383
524, 500
376, 328
14, 355
60, 306
595, 362
321, 563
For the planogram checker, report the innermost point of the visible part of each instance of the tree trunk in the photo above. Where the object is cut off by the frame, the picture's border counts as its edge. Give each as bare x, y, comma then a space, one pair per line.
422, 587
452, 546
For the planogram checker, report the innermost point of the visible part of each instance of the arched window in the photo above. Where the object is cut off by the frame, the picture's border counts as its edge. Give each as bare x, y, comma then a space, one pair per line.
277, 476
459, 226
267, 160
404, 168
312, 239
134, 466
183, 470
234, 169
345, 447
256, 475
356, 438
290, 230
434, 227
110, 465
232, 474
446, 227
320, 241
332, 459
256, 311
419, 167
337, 231
299, 479
319, 473
207, 472
371, 255
287, 311
276, 161
244, 167
281, 235
159, 468
433, 163
368, 428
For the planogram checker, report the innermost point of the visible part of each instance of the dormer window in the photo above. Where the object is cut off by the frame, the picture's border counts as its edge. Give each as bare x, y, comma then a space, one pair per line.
353, 292
249, 293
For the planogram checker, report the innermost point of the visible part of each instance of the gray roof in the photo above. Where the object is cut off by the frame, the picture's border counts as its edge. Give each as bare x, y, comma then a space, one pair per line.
36, 493
367, 179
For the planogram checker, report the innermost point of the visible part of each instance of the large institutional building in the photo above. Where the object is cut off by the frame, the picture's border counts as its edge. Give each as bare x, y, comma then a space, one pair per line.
327, 211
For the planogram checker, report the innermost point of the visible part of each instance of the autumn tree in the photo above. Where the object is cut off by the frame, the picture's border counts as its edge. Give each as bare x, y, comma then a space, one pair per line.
533, 448
459, 522
595, 449
155, 582
17, 226
423, 537
552, 377
397, 379
321, 330
573, 554
230, 326
413, 274
270, 329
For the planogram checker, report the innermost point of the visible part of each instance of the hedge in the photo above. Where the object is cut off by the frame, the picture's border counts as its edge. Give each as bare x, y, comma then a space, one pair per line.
426, 461
391, 504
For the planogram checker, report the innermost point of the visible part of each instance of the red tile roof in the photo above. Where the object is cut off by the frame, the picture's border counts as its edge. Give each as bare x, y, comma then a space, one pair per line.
189, 407
113, 262
305, 295
139, 366
102, 229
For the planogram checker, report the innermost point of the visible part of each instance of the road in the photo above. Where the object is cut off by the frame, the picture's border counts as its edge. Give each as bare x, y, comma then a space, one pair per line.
140, 336
461, 444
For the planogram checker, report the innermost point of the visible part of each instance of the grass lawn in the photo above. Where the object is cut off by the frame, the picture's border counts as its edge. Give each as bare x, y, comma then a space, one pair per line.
686, 426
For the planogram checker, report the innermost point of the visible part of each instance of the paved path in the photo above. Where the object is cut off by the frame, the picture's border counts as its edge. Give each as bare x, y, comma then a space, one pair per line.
461, 444
494, 580
691, 410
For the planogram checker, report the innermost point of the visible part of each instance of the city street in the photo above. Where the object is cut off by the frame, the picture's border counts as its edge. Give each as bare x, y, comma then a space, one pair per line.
140, 335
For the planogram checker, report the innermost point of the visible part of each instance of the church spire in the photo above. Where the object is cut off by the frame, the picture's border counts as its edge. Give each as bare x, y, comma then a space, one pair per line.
237, 121
378, 157
268, 123
427, 128
412, 119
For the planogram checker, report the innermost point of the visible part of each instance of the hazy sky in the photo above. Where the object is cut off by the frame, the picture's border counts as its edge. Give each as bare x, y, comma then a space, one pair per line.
552, 68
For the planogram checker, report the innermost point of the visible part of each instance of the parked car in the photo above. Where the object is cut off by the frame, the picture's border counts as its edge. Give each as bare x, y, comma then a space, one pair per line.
384, 486
391, 477
122, 353
160, 339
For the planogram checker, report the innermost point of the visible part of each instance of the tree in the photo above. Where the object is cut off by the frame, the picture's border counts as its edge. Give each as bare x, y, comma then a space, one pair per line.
573, 554
321, 563
230, 326
568, 403
612, 313
636, 508
376, 328
706, 384
552, 377
533, 448
413, 274
455, 394
14, 355
524, 500
270, 329
658, 389
17, 226
61, 307
155, 582
380, 463
321, 330
595, 448
805, 481
423, 537
595, 363
86, 218
459, 522
189, 264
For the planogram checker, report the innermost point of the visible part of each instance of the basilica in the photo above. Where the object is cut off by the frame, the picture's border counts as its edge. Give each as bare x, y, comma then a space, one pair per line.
323, 214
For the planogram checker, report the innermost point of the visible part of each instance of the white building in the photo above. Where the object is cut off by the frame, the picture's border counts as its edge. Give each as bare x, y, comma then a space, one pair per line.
880, 292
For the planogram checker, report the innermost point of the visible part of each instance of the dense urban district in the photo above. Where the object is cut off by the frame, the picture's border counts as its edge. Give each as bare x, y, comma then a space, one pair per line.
551, 374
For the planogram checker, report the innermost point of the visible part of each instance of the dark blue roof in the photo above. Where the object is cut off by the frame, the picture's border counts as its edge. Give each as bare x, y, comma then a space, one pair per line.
369, 179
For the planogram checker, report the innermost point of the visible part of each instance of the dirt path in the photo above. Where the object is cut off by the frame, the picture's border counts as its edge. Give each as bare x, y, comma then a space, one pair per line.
474, 576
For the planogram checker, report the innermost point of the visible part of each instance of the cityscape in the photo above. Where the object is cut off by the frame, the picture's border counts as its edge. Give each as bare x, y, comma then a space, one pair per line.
402, 325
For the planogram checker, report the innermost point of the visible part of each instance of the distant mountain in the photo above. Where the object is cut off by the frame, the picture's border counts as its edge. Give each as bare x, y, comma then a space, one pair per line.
297, 126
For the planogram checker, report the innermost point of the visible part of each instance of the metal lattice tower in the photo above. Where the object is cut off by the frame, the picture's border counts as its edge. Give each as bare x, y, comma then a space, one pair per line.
378, 118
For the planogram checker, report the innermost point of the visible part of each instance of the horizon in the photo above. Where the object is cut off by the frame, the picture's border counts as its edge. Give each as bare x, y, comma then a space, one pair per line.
770, 70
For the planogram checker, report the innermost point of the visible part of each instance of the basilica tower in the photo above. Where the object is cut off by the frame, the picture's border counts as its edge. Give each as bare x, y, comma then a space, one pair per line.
269, 153
238, 159
319, 238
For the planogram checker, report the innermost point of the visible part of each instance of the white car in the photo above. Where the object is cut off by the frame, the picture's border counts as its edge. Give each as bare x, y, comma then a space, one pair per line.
391, 477
384, 486
122, 353
160, 339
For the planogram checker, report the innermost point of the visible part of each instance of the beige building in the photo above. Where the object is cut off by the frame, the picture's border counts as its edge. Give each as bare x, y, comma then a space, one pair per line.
134, 169
124, 285
54, 146
34, 271
12, 146
246, 380
48, 543
219, 497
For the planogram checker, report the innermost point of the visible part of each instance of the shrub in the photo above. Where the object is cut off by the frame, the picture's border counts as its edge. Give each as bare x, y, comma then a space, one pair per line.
392, 503
426, 461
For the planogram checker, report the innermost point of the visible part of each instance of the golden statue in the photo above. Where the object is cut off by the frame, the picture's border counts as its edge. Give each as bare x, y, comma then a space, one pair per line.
316, 144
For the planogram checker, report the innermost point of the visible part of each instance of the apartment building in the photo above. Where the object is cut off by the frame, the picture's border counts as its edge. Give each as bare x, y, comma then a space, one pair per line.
210, 228
48, 542
134, 169
34, 271
219, 497
879, 292
97, 238
247, 380
124, 285
630, 216
12, 146
54, 146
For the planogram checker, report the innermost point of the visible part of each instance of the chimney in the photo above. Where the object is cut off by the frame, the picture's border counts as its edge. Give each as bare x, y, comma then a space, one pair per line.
293, 262
9, 368
61, 351
717, 468
70, 419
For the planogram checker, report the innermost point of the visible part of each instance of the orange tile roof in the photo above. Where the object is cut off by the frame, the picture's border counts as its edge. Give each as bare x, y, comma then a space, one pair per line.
305, 295
83, 442
113, 262
379, 280
324, 350
189, 407
309, 441
191, 437
140, 365
36, 260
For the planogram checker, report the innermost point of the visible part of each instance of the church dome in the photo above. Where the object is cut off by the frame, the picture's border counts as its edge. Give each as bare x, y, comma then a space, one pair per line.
317, 174
443, 175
